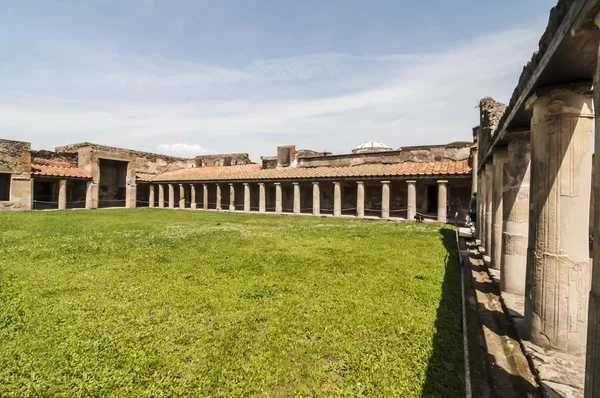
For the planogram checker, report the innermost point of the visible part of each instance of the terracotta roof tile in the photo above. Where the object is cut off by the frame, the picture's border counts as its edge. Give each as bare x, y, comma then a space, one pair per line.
255, 172
58, 171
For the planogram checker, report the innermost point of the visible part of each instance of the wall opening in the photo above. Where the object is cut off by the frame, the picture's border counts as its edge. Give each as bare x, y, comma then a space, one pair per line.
45, 194
113, 183
76, 191
5, 186
432, 198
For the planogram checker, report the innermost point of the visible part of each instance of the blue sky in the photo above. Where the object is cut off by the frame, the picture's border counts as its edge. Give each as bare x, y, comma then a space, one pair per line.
187, 77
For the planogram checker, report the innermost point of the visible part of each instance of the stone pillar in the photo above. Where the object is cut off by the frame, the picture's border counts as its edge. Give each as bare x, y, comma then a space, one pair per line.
488, 208
297, 203
360, 199
442, 201
316, 199
515, 214
592, 368
278, 198
151, 195
181, 196
480, 196
474, 173
385, 200
231, 197
262, 198
500, 156
558, 266
219, 197
247, 197
205, 196
337, 199
131, 196
62, 194
91, 195
411, 210
161, 196
193, 204
171, 196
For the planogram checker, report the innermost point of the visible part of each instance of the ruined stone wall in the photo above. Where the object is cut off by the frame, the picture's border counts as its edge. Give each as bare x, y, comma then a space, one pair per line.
235, 159
139, 162
54, 158
15, 159
490, 113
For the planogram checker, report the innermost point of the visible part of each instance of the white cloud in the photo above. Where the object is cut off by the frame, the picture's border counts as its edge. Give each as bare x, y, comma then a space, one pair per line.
319, 101
184, 150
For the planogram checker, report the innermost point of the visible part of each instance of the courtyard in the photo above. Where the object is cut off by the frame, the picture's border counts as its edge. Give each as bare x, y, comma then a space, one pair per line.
157, 302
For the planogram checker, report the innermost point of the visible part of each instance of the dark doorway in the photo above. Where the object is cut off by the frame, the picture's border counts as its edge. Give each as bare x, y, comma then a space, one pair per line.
113, 183
432, 198
45, 194
5, 186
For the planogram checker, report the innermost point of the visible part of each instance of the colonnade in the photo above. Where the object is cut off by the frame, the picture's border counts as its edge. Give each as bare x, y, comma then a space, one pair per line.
279, 197
534, 218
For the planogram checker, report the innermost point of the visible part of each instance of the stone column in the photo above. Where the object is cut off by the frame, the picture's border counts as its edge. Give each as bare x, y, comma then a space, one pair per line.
231, 197
442, 201
500, 156
411, 210
488, 208
360, 199
193, 204
385, 200
151, 195
262, 198
515, 214
558, 266
297, 203
62, 194
131, 196
219, 198
247, 198
592, 368
181, 196
278, 198
161, 196
205, 196
337, 199
316, 199
91, 195
171, 196
480, 198
475, 165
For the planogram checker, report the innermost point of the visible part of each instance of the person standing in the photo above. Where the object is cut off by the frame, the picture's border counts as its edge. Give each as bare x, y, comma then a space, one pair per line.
473, 210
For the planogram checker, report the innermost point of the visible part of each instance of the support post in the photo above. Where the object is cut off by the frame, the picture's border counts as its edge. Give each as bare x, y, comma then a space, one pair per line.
278, 198
297, 203
488, 208
62, 194
219, 197
558, 266
151, 196
316, 199
193, 204
360, 199
262, 198
515, 214
131, 196
442, 215
205, 196
91, 195
385, 200
231, 197
181, 196
337, 199
500, 156
411, 210
161, 196
171, 196
247, 197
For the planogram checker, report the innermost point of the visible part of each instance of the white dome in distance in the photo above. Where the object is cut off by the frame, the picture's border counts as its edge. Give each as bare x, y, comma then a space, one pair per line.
372, 146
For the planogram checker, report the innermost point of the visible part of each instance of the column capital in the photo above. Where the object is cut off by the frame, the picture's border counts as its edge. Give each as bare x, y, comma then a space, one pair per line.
295, 183
315, 182
231, 183
246, 184
411, 181
261, 183
337, 182
385, 182
564, 99
276, 183
360, 182
442, 181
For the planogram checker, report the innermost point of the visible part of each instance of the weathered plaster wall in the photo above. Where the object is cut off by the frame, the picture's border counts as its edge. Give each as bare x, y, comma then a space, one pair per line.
237, 159
15, 158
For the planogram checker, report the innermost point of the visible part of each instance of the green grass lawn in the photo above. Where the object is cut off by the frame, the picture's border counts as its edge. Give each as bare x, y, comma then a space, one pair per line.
151, 303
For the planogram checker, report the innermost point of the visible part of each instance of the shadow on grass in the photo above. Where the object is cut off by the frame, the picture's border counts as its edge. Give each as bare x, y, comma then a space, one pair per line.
445, 375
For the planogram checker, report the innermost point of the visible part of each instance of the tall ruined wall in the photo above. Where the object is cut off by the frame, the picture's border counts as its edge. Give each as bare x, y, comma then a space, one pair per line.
227, 159
54, 158
139, 162
15, 158
490, 114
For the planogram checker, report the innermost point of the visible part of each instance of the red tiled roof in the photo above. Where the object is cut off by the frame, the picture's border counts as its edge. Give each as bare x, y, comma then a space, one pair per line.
255, 172
434, 168
58, 171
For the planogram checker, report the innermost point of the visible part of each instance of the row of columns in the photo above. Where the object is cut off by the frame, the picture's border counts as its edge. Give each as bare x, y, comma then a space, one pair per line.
534, 221
316, 191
